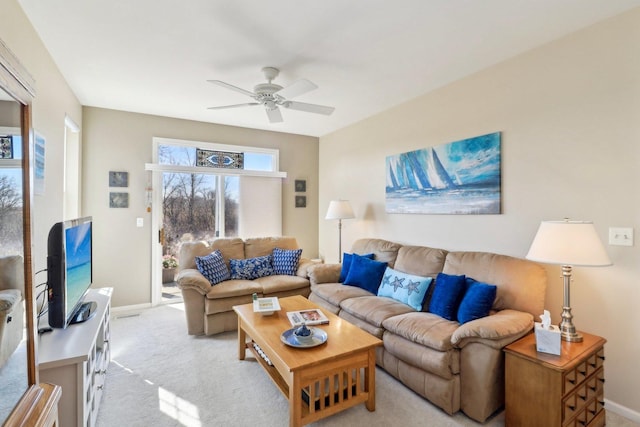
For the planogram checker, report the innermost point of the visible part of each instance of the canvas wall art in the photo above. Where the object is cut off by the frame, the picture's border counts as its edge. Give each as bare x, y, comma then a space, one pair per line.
461, 177
39, 163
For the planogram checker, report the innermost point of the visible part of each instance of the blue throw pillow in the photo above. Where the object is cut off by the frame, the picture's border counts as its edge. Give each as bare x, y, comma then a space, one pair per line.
447, 293
251, 268
285, 261
477, 301
346, 264
365, 273
213, 267
404, 287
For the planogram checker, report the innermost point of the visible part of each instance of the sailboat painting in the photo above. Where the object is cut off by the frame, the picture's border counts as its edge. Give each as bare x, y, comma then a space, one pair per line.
461, 177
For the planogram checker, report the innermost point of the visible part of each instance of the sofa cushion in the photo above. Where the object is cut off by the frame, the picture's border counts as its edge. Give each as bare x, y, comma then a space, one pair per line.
346, 264
427, 329
477, 301
420, 260
285, 261
213, 267
261, 246
403, 287
373, 309
365, 273
234, 288
230, 248
251, 268
382, 250
335, 293
278, 283
521, 284
447, 293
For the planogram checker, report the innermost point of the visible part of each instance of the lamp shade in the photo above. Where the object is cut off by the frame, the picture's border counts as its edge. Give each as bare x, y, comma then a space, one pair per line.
566, 242
340, 209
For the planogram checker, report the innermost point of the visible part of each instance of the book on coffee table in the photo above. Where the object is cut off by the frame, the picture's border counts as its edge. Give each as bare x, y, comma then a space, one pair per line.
311, 316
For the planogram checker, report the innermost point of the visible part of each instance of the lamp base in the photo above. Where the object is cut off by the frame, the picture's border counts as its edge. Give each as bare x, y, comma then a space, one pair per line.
567, 330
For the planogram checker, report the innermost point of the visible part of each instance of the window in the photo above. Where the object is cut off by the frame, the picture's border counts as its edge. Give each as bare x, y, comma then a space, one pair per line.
200, 180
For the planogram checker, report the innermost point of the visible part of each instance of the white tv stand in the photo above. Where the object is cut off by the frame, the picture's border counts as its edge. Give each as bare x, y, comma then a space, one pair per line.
77, 358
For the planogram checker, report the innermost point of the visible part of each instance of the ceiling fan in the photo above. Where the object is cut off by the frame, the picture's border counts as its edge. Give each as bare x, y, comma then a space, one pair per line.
273, 96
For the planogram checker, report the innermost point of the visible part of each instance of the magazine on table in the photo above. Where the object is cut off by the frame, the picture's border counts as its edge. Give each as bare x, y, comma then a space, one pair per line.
312, 316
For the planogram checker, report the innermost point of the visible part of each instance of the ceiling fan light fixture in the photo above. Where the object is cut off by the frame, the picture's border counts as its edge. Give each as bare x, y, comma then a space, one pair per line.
271, 95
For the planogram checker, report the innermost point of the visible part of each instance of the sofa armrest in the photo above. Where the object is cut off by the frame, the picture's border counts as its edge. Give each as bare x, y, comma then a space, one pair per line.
497, 330
325, 273
191, 278
304, 265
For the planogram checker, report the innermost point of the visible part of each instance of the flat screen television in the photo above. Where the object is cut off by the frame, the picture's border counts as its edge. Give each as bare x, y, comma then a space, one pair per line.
69, 272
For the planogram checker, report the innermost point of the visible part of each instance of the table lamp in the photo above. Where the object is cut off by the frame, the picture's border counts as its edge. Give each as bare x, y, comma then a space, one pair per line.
568, 243
340, 209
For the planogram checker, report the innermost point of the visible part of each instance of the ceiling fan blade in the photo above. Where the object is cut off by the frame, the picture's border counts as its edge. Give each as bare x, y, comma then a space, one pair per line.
246, 104
296, 89
232, 87
309, 108
275, 116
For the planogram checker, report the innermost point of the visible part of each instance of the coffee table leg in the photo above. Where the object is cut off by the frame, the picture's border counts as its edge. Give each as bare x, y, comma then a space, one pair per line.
370, 381
295, 402
242, 341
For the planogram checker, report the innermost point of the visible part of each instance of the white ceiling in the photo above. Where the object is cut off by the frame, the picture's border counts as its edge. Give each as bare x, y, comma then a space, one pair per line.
155, 56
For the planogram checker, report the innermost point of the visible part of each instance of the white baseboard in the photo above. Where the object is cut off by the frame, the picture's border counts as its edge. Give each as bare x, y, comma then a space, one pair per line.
622, 410
129, 310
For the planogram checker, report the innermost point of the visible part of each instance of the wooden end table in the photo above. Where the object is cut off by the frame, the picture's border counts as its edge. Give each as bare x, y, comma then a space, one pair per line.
547, 390
318, 381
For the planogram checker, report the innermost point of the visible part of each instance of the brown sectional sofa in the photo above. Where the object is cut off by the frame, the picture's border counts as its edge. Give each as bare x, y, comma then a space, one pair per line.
456, 367
209, 309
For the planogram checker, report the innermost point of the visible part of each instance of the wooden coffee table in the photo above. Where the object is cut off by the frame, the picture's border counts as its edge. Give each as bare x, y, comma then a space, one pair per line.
318, 381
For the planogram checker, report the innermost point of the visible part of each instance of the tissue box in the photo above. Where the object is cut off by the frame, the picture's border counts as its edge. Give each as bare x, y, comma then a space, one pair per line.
547, 340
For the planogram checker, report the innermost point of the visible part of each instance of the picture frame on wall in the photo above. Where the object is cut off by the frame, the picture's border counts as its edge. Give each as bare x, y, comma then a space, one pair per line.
6, 147
38, 163
301, 201
118, 200
118, 179
300, 185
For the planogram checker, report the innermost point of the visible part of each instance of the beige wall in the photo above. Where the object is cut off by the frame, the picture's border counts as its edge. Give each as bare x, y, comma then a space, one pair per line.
116, 140
569, 113
54, 99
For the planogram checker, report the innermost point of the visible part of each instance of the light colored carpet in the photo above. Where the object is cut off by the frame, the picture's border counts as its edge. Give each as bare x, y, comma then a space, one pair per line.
160, 376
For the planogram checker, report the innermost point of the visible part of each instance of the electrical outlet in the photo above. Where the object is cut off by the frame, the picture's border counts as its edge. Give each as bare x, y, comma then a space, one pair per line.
139, 222
620, 236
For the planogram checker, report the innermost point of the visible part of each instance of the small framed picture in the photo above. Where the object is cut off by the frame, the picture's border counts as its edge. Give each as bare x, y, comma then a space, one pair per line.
301, 201
6, 147
301, 185
118, 179
118, 200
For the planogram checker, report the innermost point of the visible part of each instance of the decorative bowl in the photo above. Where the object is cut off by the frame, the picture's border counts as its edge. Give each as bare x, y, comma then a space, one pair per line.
303, 334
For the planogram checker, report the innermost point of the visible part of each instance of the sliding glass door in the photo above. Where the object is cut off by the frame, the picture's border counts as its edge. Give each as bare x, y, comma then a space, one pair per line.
203, 191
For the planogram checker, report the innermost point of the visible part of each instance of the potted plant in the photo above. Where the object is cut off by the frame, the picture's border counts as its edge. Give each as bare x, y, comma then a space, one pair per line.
169, 265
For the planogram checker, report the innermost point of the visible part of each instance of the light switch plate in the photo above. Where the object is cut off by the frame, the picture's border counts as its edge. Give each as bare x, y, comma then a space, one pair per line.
621, 236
